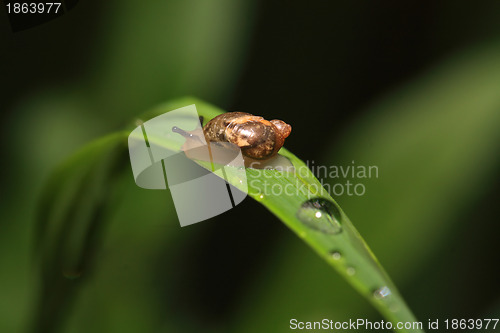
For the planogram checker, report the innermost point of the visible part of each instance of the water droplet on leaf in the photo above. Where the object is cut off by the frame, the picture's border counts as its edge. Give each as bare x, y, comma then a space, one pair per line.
382, 293
320, 214
336, 255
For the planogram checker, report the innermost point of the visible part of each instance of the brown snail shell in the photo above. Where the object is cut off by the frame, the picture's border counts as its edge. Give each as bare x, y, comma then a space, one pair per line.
256, 137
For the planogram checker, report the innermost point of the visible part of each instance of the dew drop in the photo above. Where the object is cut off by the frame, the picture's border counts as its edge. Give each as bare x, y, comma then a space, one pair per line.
336, 255
350, 271
320, 214
382, 293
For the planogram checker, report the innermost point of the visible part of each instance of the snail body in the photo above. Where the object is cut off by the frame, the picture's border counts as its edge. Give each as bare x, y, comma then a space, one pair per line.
257, 138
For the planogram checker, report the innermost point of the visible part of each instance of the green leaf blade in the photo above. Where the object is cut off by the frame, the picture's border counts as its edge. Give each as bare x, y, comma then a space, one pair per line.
343, 249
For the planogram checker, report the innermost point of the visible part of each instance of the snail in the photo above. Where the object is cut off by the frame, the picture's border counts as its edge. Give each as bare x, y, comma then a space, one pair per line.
258, 139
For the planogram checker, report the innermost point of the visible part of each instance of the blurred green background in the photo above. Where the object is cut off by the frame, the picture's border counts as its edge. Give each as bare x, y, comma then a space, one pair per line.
412, 87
